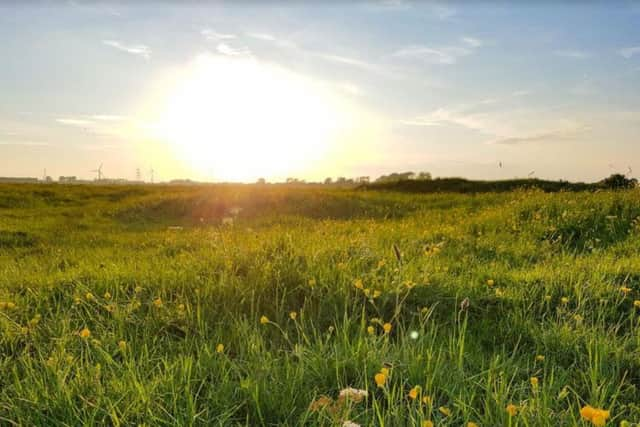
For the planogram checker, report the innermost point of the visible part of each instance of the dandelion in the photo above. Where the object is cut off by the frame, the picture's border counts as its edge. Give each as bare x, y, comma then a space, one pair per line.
499, 292
180, 307
3, 305
376, 294
490, 282
89, 296
534, 383
427, 400
512, 410
137, 289
427, 423
578, 318
312, 282
625, 290
358, 284
220, 348
293, 315
444, 411
157, 302
107, 295
472, 424
539, 358
380, 379
564, 300
387, 328
371, 330
636, 303
385, 371
264, 320
413, 393
547, 298
122, 345
598, 417
85, 333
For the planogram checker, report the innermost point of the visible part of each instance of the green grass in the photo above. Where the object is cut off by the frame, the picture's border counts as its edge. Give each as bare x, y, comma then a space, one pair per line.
172, 273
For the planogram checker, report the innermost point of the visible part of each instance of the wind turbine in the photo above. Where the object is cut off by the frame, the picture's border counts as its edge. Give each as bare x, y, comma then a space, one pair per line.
151, 172
99, 172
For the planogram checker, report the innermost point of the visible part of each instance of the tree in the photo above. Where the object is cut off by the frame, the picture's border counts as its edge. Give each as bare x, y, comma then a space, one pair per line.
619, 181
328, 181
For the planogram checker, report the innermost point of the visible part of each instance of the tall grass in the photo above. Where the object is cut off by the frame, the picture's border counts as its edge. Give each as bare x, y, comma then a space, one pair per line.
194, 320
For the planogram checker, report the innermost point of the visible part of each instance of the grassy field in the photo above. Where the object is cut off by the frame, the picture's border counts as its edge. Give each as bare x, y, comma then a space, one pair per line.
258, 305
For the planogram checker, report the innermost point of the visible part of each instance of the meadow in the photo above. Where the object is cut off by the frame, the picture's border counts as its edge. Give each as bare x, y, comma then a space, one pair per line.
268, 305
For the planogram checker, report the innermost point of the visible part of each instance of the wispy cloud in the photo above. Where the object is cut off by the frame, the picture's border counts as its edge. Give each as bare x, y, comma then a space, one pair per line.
74, 122
521, 93
472, 41
441, 55
444, 12
628, 52
134, 49
228, 50
575, 54
267, 37
210, 34
25, 143
556, 135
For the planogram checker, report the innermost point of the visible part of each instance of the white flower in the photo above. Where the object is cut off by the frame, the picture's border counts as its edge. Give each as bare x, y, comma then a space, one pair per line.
413, 335
350, 424
353, 394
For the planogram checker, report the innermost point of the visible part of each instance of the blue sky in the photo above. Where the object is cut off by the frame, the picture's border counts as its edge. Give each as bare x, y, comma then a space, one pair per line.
367, 88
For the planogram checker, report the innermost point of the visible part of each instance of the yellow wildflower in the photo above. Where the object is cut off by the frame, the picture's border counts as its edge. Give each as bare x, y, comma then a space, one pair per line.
371, 330
413, 393
384, 371
512, 409
534, 382
636, 303
472, 424
85, 333
157, 302
427, 423
122, 345
220, 348
490, 282
107, 295
625, 290
444, 411
89, 296
293, 315
264, 320
427, 400
376, 294
380, 379
564, 300
539, 358
598, 417
358, 284
387, 328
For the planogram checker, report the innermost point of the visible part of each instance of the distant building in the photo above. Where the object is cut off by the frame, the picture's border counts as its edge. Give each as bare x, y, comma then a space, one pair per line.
67, 179
18, 179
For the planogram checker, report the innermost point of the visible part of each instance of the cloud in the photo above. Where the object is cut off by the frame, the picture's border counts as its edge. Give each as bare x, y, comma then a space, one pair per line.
575, 54
209, 34
444, 12
225, 49
26, 143
136, 49
107, 117
280, 42
443, 55
628, 52
521, 93
472, 42
560, 134
74, 122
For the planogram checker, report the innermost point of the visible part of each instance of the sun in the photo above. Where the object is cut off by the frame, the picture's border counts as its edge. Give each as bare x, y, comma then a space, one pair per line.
238, 119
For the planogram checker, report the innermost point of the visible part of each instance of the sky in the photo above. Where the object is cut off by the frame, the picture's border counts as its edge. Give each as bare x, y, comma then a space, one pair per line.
234, 91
